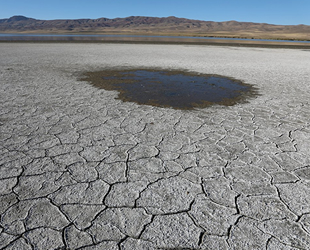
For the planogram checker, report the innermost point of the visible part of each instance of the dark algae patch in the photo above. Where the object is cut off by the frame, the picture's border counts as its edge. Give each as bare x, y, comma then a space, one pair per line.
174, 89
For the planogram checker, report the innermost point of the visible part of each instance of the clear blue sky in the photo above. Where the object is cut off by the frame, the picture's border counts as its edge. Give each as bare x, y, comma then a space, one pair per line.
262, 11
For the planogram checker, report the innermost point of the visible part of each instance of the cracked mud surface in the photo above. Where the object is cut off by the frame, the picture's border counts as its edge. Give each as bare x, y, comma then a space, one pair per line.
82, 170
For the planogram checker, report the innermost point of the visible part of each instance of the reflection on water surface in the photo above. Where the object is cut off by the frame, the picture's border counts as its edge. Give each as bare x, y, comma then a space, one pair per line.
132, 38
175, 89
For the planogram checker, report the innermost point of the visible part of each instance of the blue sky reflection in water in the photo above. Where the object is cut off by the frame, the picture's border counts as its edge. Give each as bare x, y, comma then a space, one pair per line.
105, 37
175, 89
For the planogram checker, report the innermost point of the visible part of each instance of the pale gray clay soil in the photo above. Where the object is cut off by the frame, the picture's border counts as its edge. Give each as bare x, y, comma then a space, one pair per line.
80, 169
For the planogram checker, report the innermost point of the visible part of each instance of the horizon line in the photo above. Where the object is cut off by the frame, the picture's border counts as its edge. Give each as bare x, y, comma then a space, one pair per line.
20, 15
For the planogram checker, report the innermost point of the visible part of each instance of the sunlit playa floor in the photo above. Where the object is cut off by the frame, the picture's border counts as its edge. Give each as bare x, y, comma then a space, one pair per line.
80, 169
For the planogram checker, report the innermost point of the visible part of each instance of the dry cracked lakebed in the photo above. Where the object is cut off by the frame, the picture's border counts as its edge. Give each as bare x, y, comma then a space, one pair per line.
82, 169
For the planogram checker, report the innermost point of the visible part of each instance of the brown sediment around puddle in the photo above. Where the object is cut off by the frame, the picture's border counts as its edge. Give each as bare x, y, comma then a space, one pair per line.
172, 89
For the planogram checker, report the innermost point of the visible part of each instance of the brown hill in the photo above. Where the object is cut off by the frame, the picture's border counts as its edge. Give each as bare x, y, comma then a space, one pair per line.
155, 25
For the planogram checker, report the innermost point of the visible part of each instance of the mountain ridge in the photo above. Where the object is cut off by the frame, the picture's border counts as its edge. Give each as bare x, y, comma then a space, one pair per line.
155, 25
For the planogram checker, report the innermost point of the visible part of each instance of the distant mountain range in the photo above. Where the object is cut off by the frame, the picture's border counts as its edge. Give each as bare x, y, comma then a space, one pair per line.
155, 25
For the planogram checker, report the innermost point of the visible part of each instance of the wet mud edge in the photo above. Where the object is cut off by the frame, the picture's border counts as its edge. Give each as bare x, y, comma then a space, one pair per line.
111, 79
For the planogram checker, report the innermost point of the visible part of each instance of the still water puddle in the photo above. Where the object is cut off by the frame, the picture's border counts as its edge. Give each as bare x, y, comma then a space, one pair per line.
174, 89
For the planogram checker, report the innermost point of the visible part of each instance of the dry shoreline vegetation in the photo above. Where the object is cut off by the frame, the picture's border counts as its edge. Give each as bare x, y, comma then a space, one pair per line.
161, 40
